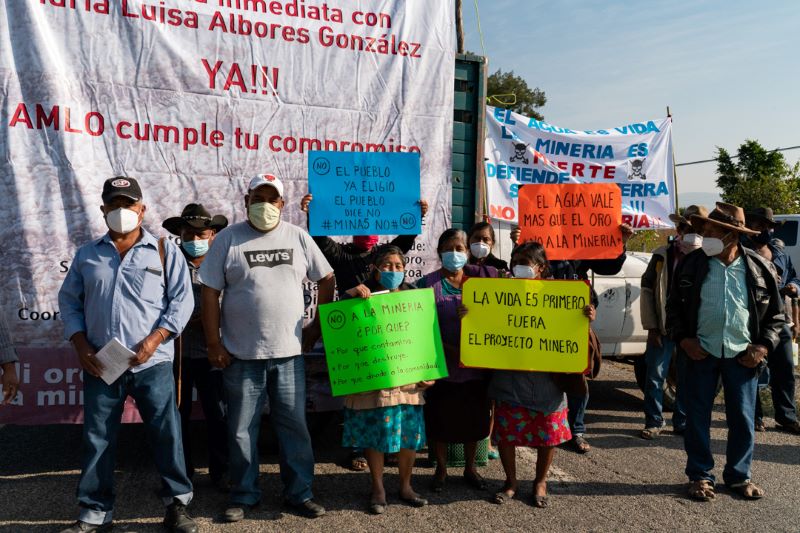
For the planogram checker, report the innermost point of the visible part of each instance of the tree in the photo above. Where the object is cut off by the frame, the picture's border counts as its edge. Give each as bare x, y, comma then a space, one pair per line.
758, 178
501, 87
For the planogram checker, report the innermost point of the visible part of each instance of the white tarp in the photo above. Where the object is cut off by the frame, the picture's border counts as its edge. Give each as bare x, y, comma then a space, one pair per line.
636, 156
191, 96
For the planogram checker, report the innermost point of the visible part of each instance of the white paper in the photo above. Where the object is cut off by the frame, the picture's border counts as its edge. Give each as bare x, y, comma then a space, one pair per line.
115, 358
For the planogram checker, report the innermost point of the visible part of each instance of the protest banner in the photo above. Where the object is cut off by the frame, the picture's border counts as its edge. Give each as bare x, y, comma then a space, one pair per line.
531, 325
572, 221
358, 193
193, 98
636, 156
383, 341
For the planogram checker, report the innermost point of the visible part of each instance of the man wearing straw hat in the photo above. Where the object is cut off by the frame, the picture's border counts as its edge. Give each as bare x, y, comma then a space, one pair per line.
197, 230
725, 314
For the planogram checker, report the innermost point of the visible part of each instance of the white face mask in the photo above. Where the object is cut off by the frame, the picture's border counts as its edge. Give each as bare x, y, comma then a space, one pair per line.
712, 246
264, 215
122, 220
479, 250
690, 242
525, 272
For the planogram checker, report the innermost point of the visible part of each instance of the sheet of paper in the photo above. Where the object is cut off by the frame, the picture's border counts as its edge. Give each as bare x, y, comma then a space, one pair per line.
115, 358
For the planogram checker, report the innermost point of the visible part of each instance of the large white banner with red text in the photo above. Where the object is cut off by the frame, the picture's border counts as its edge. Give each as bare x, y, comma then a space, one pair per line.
637, 156
191, 97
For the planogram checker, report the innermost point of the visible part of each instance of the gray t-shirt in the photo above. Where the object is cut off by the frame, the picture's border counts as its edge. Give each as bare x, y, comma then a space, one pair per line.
261, 276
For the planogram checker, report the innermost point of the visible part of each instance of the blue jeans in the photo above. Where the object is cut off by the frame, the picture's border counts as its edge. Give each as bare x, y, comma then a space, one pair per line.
153, 390
576, 411
781, 380
657, 360
739, 384
249, 383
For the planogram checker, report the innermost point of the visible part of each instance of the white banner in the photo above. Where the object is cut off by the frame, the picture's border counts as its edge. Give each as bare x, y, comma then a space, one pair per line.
191, 97
637, 157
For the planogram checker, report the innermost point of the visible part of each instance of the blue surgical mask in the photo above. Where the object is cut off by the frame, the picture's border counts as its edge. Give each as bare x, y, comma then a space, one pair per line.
195, 248
392, 280
454, 261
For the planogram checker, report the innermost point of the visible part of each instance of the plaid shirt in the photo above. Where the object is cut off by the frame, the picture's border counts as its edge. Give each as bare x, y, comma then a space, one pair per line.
722, 321
7, 352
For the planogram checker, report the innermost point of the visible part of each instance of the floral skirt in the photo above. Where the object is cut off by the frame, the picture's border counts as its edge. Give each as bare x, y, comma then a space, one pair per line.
386, 429
520, 426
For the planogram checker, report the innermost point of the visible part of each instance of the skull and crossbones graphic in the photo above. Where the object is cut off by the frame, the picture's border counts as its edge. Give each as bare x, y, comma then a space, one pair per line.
636, 170
519, 153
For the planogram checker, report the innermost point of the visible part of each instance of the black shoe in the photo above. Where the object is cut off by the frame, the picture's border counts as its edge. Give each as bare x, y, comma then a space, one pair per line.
178, 520
308, 508
235, 512
83, 527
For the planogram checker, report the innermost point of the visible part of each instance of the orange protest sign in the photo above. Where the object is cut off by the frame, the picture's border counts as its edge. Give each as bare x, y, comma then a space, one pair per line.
572, 220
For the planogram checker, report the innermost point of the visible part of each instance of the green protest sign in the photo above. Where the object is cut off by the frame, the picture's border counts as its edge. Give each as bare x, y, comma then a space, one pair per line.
383, 341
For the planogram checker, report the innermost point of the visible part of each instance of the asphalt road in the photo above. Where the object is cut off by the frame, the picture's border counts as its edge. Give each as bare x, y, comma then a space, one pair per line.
624, 484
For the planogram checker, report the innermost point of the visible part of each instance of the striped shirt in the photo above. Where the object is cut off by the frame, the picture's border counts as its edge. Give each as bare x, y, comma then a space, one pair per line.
722, 320
7, 352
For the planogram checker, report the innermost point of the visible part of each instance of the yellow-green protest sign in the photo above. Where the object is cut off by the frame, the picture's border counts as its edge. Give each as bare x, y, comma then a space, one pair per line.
533, 325
383, 341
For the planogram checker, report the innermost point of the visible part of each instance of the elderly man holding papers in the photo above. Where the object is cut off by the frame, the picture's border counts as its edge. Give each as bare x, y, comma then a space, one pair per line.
129, 286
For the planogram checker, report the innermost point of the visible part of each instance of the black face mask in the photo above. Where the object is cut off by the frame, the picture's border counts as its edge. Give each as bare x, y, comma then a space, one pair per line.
765, 237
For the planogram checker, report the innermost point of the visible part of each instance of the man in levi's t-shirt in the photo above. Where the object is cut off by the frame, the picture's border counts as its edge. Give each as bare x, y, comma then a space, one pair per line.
258, 267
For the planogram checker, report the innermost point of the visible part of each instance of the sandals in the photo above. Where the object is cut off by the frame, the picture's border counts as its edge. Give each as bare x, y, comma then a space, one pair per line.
760, 425
541, 501
651, 433
580, 445
415, 501
702, 490
747, 490
503, 496
377, 507
358, 463
437, 485
475, 481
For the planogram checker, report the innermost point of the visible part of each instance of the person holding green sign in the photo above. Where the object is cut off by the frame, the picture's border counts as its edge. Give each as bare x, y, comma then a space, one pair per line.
386, 420
457, 408
530, 407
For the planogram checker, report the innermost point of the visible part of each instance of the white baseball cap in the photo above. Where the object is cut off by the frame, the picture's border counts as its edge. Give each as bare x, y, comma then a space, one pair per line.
266, 179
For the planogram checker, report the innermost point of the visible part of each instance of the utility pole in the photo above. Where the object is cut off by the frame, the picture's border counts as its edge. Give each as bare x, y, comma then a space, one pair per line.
459, 28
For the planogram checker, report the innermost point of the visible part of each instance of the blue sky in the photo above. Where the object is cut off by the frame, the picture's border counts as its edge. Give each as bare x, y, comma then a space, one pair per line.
729, 70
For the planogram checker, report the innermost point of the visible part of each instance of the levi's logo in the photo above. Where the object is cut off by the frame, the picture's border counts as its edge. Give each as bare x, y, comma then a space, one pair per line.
269, 258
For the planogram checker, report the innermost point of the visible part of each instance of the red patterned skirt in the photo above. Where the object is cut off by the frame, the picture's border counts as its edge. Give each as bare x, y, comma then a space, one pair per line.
519, 426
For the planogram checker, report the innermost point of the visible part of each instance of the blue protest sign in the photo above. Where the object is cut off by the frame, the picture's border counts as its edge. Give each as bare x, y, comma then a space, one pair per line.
364, 193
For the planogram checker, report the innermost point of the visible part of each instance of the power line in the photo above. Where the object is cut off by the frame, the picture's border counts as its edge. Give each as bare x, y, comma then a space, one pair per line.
732, 157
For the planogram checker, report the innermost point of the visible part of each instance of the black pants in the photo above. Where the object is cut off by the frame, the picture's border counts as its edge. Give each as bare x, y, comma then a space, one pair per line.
781, 381
198, 373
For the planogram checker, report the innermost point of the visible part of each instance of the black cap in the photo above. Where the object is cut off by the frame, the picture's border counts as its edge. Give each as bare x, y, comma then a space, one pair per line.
121, 186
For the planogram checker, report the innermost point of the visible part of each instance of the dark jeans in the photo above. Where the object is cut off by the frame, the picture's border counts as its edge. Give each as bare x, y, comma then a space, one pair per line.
153, 390
576, 406
199, 374
249, 384
739, 384
781, 381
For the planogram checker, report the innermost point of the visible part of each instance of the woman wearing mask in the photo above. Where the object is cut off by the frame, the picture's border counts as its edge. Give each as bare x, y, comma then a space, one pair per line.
530, 409
387, 420
481, 242
457, 409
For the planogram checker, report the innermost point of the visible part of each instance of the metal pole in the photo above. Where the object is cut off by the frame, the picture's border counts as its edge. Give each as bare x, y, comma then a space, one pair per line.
674, 168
